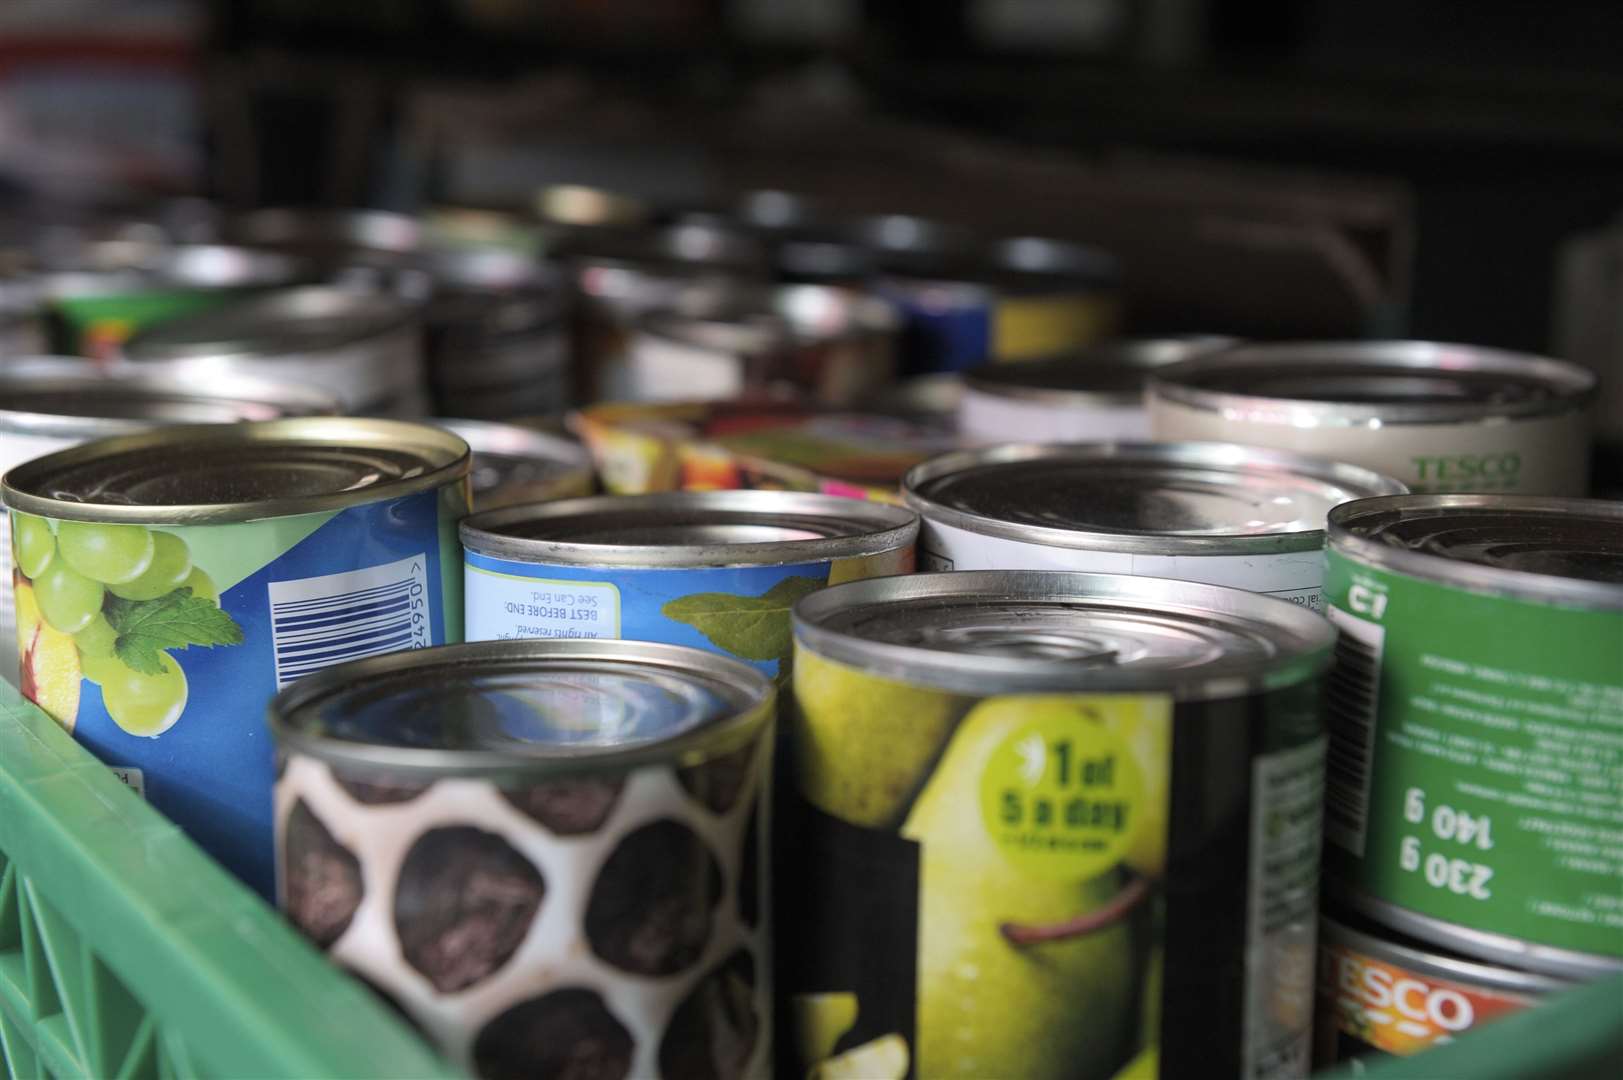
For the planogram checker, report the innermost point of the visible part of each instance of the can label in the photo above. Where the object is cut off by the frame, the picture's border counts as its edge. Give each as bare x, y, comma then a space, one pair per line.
741, 611
97, 324
1367, 1006
998, 418
1024, 327
159, 648
16, 448
1542, 455
1477, 757
609, 923
1289, 575
946, 327
1015, 885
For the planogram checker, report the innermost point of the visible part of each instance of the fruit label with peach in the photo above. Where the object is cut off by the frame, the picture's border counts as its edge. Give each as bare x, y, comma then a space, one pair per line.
159, 646
1038, 885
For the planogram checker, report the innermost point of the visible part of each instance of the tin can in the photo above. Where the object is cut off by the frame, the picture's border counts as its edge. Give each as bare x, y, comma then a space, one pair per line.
549, 854
1023, 298
1088, 394
513, 465
1040, 818
828, 344
169, 581
94, 312
716, 570
621, 275
1381, 994
365, 249
1476, 776
53, 403
365, 348
1438, 417
1214, 512
498, 335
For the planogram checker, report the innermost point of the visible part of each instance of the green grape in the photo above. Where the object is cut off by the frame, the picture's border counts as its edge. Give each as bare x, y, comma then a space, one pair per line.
34, 542
97, 638
98, 669
202, 586
171, 563
67, 600
110, 554
145, 705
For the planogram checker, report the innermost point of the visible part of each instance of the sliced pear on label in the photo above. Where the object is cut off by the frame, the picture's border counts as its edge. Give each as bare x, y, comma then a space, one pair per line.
820, 1020
883, 1059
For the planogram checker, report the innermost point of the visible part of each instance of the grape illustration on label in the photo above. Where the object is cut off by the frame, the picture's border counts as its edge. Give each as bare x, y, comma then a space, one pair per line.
109, 603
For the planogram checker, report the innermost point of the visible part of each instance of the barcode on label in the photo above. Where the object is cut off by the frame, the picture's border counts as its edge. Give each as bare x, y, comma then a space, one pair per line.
1353, 691
320, 621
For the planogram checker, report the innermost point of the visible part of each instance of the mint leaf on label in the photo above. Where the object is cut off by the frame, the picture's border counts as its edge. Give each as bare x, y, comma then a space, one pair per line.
177, 620
750, 627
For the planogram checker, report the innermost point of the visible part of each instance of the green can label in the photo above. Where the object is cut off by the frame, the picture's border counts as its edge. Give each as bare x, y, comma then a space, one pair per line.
1476, 768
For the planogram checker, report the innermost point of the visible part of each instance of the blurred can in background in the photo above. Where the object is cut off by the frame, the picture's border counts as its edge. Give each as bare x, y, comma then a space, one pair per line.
363, 347
514, 464
1438, 417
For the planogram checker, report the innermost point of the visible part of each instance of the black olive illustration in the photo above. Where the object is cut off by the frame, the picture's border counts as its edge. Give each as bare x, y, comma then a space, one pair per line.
713, 1032
649, 912
373, 793
464, 902
566, 1035
571, 806
322, 882
717, 783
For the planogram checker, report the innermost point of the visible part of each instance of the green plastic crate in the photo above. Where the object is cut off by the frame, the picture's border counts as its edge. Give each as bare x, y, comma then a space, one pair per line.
126, 952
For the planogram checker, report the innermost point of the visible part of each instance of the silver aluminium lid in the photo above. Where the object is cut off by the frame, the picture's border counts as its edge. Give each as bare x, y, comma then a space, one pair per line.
1363, 383
1416, 958
217, 473
1151, 498
523, 709
1027, 631
689, 529
1038, 257
71, 398
1113, 372
287, 322
513, 463
1558, 551
753, 321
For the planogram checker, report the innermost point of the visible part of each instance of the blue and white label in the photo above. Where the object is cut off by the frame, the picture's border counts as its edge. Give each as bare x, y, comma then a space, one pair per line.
740, 611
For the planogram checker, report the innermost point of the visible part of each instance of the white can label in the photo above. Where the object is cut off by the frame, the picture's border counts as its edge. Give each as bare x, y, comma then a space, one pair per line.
996, 418
1297, 576
504, 607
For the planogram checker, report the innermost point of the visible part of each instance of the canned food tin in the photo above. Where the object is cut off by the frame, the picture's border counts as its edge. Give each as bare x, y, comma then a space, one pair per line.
54, 403
365, 249
717, 570
1438, 417
513, 464
171, 580
1088, 394
1213, 512
498, 335
1476, 791
549, 854
1381, 994
1042, 818
364, 348
827, 343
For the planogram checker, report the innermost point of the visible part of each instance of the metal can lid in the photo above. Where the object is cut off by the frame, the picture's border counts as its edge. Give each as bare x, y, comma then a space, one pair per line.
1566, 551
219, 266
692, 528
512, 463
1045, 257
201, 474
1113, 372
582, 205
1338, 384
316, 229
523, 708
1020, 631
287, 322
1417, 958
772, 210
74, 399
1153, 498
816, 259
754, 321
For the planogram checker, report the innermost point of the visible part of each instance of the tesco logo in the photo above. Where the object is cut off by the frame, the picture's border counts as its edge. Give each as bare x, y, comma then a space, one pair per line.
1386, 991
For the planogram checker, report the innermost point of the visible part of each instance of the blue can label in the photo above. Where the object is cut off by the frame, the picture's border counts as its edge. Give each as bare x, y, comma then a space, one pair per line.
741, 611
159, 648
